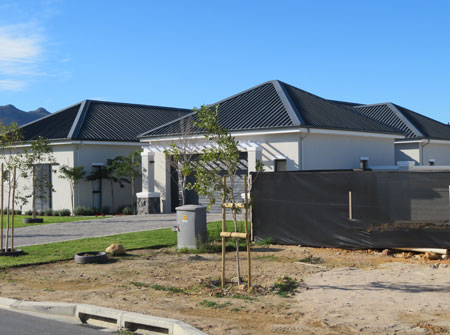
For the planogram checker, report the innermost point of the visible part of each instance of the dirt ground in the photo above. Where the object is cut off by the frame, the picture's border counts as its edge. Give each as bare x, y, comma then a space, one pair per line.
341, 292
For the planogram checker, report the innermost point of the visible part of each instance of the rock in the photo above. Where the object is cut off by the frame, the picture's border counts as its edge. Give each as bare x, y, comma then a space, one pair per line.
242, 287
116, 249
432, 256
436, 266
386, 252
444, 266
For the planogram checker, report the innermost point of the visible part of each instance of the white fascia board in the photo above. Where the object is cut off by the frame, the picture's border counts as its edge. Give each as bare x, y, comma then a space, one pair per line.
55, 143
282, 131
425, 141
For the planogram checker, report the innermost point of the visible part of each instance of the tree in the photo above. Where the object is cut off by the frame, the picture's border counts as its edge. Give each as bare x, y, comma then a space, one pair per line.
221, 158
128, 168
107, 173
73, 175
39, 153
11, 136
181, 155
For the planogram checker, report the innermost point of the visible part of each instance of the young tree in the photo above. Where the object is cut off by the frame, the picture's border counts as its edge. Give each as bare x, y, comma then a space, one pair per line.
107, 173
128, 168
220, 158
73, 175
181, 155
39, 153
11, 136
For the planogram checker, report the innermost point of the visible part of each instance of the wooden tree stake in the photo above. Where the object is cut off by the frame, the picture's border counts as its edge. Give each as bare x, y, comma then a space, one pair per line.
12, 216
224, 218
1, 218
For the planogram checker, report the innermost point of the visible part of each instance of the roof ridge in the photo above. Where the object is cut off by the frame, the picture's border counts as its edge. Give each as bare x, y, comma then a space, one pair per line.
79, 119
166, 124
242, 92
405, 119
286, 100
134, 104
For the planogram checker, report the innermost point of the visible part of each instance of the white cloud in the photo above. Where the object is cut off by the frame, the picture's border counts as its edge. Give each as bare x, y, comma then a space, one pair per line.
11, 85
21, 50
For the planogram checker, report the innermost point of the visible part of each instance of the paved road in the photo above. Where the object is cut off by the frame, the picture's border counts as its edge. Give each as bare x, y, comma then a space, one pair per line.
66, 231
13, 323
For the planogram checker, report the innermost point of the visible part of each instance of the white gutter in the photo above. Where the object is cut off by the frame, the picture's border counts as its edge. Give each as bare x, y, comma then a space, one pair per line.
56, 143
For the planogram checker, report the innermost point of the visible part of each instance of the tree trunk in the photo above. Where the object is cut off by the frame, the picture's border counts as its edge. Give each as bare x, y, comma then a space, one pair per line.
233, 210
72, 196
112, 196
132, 196
33, 195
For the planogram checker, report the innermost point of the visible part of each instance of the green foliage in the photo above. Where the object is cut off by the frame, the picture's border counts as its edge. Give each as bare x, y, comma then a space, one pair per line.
167, 288
83, 211
311, 260
64, 212
127, 211
266, 241
284, 286
48, 212
29, 212
73, 175
213, 304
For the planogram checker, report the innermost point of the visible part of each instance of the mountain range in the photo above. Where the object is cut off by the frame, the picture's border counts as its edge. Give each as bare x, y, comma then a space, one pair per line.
10, 114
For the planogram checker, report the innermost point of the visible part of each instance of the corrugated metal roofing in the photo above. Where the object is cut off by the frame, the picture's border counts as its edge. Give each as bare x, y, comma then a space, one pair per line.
321, 113
385, 114
275, 104
101, 121
54, 126
428, 127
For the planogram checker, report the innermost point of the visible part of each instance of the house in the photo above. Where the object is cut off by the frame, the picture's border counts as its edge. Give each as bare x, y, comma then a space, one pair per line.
426, 142
284, 127
88, 134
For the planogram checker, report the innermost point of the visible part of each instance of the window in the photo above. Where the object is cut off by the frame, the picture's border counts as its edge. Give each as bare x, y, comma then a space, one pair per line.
97, 187
280, 165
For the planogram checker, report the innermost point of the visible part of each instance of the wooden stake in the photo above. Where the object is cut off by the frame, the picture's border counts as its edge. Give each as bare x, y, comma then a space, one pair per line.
249, 271
224, 218
1, 199
12, 216
350, 209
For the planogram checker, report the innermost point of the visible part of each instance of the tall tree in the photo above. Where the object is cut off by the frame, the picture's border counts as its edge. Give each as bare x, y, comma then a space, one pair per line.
181, 156
220, 158
73, 175
128, 168
107, 173
10, 137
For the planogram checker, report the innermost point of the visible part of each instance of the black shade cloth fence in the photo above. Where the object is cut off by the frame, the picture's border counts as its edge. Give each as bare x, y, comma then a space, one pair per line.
390, 209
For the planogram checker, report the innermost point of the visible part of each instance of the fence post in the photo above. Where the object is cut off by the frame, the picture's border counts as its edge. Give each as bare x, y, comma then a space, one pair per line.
350, 207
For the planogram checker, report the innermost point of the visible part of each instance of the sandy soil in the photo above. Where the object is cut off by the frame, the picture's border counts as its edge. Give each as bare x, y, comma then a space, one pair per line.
345, 292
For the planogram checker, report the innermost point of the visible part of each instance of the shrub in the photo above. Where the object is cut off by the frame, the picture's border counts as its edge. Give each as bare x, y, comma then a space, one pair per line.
106, 210
84, 211
64, 212
127, 211
49, 212
284, 286
29, 212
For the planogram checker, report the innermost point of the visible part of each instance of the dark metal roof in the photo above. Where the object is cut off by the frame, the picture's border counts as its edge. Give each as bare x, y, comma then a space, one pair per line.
275, 104
387, 114
101, 121
428, 127
321, 113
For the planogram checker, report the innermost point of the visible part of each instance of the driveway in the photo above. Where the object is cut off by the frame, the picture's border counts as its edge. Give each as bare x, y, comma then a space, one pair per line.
66, 231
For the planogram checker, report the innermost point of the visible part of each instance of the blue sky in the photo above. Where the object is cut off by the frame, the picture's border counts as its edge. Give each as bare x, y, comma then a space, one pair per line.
187, 53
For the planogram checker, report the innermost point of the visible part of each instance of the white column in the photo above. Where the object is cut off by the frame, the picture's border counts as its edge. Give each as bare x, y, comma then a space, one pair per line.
148, 171
162, 180
253, 155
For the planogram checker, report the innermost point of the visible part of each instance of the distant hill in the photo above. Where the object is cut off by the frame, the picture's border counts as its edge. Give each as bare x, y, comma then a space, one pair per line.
10, 114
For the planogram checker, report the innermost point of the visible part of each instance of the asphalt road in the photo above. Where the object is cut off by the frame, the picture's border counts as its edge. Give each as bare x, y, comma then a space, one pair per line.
14, 323
66, 231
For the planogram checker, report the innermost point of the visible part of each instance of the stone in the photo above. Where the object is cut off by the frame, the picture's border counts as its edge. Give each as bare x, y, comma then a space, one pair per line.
432, 256
116, 249
386, 252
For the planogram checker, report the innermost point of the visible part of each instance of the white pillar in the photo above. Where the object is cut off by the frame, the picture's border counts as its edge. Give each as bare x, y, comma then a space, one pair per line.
162, 180
148, 199
253, 155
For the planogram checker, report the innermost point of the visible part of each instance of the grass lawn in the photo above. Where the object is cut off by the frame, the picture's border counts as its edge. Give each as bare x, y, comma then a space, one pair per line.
18, 220
59, 251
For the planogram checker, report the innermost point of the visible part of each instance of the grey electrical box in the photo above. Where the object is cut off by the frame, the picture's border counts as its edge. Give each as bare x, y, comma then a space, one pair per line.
191, 226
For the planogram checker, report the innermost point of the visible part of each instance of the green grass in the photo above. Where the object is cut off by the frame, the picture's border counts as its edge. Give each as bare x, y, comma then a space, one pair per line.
18, 220
59, 251
213, 304
284, 286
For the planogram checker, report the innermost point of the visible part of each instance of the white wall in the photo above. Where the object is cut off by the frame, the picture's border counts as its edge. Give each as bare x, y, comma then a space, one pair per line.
85, 155
440, 152
323, 151
407, 152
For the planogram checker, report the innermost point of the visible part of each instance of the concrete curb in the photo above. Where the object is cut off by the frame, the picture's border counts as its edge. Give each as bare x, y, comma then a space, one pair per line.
104, 317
